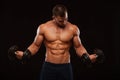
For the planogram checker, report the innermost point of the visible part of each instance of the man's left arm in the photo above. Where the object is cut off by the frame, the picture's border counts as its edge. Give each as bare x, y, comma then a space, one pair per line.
80, 49
86, 58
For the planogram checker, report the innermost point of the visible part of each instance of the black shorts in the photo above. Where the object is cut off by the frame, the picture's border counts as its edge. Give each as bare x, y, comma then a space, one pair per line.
52, 71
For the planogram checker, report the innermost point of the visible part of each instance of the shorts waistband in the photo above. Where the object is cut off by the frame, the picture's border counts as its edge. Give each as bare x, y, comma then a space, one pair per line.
55, 64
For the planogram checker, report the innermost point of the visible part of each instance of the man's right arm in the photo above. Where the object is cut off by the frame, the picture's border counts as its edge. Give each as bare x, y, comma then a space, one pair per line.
34, 47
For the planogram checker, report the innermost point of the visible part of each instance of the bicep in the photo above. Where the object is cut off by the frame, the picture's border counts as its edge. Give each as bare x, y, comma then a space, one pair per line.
76, 41
37, 42
76, 38
78, 44
39, 37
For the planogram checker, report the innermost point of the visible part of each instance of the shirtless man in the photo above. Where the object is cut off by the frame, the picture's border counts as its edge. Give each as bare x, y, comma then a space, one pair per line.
58, 35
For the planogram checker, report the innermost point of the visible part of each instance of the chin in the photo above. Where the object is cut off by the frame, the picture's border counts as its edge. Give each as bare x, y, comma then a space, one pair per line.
61, 25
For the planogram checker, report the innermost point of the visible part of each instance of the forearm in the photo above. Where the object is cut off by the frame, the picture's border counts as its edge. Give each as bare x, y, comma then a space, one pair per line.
25, 55
33, 48
86, 58
80, 50
80, 53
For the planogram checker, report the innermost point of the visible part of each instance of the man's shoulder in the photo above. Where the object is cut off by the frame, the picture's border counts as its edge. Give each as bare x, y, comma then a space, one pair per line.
44, 26
72, 26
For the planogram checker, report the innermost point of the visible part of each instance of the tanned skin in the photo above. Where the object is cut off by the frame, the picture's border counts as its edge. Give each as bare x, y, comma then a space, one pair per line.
58, 35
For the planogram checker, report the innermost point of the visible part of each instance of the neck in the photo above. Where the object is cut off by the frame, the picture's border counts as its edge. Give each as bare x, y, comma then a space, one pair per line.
60, 26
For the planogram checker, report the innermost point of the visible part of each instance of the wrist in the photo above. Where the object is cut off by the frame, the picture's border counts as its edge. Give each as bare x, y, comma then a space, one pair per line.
26, 54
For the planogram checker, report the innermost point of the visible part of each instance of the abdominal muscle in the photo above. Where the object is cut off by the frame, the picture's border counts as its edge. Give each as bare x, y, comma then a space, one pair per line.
57, 53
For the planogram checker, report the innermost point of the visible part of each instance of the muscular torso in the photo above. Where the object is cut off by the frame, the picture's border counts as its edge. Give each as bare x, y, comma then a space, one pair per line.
57, 41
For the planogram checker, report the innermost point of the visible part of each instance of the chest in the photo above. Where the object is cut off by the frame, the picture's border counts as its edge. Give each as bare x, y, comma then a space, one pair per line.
58, 34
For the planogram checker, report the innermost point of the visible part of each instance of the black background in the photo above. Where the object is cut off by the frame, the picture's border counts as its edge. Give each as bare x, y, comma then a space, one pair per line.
98, 22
